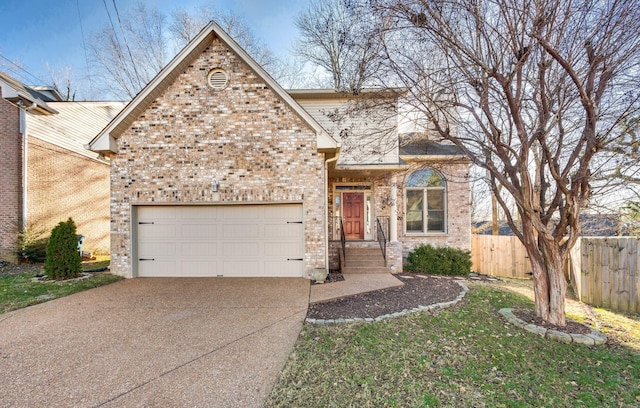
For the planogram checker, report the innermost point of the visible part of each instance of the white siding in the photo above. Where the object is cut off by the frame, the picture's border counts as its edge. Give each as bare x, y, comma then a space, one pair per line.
368, 134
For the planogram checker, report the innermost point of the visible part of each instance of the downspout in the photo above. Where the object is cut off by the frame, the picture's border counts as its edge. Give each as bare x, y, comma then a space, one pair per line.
25, 146
326, 208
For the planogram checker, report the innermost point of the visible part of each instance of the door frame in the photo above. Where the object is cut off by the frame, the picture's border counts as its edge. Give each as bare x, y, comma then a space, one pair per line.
367, 203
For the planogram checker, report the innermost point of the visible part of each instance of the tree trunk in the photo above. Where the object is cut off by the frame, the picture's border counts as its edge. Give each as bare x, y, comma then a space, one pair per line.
549, 284
550, 289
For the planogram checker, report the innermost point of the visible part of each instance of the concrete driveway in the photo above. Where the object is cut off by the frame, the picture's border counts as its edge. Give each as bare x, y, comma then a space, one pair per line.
206, 342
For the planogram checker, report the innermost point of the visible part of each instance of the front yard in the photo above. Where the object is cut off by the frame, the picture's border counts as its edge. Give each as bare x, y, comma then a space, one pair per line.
466, 356
18, 288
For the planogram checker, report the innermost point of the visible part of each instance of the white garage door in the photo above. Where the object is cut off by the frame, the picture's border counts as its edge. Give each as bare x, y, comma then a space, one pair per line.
238, 240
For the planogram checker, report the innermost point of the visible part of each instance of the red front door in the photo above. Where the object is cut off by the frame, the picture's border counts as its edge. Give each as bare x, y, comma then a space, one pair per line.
353, 215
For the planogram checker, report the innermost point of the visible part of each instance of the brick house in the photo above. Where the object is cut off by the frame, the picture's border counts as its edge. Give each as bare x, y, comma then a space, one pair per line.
216, 170
47, 175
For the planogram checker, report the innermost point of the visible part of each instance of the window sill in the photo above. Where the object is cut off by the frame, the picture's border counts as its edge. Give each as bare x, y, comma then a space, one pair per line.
425, 234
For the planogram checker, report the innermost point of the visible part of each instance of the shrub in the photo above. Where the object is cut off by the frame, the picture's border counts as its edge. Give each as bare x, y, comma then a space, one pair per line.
439, 260
32, 245
63, 259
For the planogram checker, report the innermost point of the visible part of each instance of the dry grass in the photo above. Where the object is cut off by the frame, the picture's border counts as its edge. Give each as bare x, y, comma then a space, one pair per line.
465, 356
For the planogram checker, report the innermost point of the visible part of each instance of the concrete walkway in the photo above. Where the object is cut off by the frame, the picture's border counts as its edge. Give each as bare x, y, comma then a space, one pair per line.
353, 284
217, 342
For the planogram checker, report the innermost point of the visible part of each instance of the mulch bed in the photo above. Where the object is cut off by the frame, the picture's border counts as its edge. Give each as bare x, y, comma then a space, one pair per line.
418, 290
529, 316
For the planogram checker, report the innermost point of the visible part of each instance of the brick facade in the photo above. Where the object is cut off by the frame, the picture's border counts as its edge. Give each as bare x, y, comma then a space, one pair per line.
458, 234
10, 178
244, 136
458, 193
63, 184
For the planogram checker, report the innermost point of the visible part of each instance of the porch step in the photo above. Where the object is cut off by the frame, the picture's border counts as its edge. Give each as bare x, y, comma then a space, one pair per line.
364, 260
364, 269
364, 252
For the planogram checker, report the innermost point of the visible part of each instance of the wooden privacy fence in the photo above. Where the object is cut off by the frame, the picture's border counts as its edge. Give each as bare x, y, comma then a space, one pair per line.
604, 271
499, 255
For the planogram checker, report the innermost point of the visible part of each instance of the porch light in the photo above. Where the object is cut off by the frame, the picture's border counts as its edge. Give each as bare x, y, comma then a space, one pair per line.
214, 186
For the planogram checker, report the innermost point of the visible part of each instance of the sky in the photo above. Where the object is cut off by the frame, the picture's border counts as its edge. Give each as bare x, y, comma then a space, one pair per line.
41, 33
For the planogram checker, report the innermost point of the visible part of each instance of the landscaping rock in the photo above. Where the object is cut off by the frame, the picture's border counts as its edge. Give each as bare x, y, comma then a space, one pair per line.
558, 336
532, 328
583, 339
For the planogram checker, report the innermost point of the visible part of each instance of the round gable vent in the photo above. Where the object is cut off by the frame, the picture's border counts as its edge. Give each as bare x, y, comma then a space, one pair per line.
217, 79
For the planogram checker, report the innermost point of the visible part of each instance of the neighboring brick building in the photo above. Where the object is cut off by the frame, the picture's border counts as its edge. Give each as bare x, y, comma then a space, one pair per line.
62, 178
218, 171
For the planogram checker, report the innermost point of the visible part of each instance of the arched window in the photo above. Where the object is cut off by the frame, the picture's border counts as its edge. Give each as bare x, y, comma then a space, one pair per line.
425, 200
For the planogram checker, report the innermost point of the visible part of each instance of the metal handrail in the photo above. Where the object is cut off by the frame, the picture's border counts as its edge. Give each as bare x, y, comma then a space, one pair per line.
343, 241
382, 240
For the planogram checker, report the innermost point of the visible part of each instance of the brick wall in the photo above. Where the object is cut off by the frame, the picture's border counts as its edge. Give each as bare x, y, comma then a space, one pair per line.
63, 184
245, 137
458, 233
458, 195
10, 178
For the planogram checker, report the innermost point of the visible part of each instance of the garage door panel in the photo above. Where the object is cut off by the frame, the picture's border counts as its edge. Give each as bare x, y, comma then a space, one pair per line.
241, 249
158, 268
151, 249
234, 240
237, 230
241, 268
283, 231
283, 249
199, 212
249, 212
157, 231
190, 231
158, 212
199, 248
200, 268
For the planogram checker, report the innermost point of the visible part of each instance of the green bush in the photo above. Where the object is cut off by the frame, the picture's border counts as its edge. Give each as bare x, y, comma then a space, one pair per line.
439, 260
32, 245
63, 259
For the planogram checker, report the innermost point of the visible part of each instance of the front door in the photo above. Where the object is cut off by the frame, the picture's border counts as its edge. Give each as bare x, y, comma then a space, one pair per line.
353, 213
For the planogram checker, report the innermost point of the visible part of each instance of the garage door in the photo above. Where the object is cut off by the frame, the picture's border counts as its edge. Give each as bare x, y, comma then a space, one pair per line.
238, 240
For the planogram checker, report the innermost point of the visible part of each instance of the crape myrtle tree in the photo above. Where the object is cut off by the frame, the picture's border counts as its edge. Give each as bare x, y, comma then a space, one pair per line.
533, 91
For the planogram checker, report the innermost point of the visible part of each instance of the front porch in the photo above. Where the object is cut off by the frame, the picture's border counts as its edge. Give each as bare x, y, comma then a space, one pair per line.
362, 238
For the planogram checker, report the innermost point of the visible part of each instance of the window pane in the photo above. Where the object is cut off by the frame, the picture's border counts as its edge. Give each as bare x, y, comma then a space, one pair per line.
424, 178
435, 200
414, 215
435, 221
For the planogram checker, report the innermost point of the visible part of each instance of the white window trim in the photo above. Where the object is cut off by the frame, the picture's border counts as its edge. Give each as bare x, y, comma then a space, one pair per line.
425, 211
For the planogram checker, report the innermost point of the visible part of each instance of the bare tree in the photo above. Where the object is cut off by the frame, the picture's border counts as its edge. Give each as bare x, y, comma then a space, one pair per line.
532, 91
335, 35
186, 25
127, 53
130, 51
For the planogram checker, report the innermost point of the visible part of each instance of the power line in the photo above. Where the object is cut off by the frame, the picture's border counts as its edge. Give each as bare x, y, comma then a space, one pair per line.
126, 43
38, 80
84, 47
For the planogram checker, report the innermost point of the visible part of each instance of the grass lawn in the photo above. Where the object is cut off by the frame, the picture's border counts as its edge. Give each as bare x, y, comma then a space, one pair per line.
465, 356
18, 290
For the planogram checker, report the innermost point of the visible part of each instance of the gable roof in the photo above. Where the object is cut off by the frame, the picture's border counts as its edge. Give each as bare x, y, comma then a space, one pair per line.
105, 141
75, 124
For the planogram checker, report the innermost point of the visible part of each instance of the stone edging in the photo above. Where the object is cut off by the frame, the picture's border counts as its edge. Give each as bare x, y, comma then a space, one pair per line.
405, 312
591, 339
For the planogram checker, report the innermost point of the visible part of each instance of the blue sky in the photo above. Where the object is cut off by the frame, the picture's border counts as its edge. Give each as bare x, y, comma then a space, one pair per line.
41, 32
